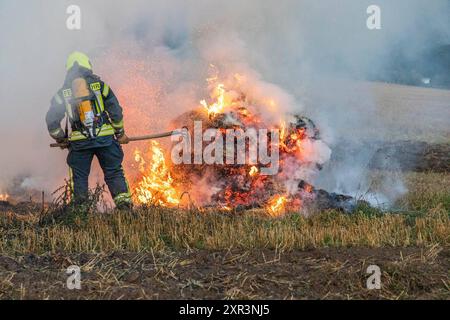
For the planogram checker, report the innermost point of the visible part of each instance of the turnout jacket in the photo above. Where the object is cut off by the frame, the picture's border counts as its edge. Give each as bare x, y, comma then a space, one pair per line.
105, 103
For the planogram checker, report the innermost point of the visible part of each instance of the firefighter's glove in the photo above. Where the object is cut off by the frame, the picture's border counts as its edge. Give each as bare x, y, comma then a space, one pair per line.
122, 137
63, 143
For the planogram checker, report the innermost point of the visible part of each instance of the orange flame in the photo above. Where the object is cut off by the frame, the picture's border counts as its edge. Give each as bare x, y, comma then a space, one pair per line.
253, 171
4, 197
156, 186
277, 205
218, 106
282, 131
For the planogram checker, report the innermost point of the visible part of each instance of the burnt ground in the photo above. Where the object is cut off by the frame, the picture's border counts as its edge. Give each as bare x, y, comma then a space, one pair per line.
407, 273
400, 155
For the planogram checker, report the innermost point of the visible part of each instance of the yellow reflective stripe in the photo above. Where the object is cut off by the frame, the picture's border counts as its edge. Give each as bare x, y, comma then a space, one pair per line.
97, 108
67, 94
100, 99
71, 184
58, 99
105, 91
76, 136
69, 110
106, 130
55, 133
117, 125
123, 197
96, 89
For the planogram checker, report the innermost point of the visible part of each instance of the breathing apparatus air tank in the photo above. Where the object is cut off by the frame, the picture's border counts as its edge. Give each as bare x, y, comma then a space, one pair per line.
84, 104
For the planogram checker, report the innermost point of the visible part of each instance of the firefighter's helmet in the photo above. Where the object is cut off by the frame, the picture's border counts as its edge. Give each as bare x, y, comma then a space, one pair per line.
80, 59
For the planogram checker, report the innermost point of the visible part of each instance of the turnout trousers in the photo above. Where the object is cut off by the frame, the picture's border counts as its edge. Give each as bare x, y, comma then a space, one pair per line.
110, 158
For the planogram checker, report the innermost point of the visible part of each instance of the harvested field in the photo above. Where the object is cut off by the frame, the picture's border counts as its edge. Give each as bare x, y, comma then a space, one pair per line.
160, 254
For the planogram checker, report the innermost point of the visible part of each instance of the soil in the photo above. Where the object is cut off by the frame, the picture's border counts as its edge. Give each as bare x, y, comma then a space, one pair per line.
406, 273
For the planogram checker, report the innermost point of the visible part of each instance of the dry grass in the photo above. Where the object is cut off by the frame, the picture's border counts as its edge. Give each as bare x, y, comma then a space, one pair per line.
426, 191
158, 253
161, 229
164, 229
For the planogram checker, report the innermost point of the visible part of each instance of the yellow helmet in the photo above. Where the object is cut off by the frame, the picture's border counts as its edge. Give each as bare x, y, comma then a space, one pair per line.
80, 58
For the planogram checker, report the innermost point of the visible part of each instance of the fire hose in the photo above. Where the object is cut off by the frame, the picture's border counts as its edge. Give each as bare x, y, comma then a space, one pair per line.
131, 139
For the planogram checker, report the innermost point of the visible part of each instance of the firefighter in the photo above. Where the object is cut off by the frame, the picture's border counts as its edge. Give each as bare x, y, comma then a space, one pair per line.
95, 117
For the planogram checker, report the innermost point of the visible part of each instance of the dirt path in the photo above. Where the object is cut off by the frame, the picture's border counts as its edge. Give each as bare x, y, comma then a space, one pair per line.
407, 273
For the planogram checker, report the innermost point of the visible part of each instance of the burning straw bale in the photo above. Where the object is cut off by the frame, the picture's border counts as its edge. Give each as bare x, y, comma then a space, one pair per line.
240, 185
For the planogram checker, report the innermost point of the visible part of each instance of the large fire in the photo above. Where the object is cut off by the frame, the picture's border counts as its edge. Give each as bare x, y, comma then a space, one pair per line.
4, 197
229, 187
